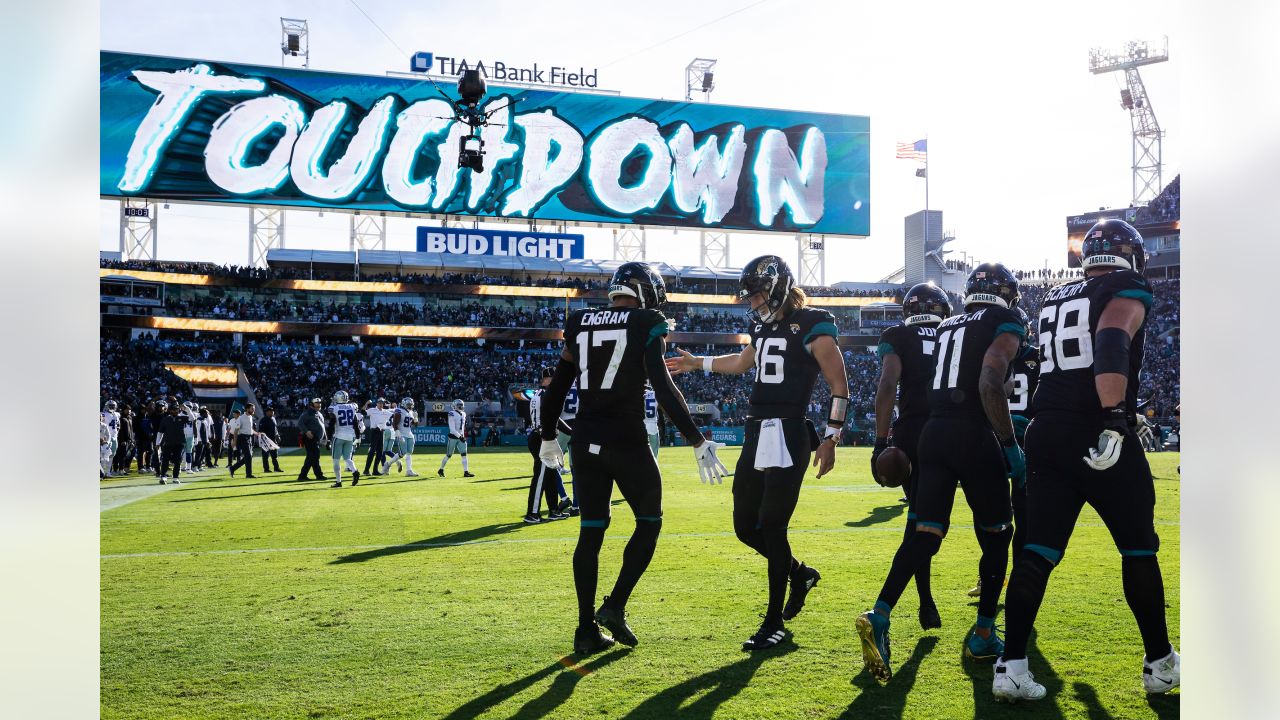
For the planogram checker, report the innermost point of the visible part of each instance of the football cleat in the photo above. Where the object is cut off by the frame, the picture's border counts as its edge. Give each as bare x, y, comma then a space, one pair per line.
161, 481
466, 473
557, 516
1162, 675
411, 474
977, 589
977, 647
1014, 682
873, 630
440, 472
532, 519
588, 639
564, 505
337, 484
615, 621
355, 478
770, 634
803, 580
929, 617
574, 511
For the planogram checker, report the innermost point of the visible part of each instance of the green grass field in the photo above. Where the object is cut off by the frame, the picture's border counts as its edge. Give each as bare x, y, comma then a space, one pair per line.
428, 598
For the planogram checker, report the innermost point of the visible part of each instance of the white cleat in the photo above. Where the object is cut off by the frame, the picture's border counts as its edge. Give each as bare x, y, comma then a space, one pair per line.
1014, 682
411, 474
1162, 675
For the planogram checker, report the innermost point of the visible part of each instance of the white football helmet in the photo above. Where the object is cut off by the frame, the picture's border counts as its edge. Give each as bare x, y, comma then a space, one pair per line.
341, 397
406, 403
459, 405
111, 405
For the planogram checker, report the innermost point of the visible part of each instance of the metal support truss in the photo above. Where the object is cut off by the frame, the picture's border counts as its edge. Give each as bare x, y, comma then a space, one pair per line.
138, 239
628, 244
266, 231
368, 232
699, 76
713, 249
811, 259
1147, 155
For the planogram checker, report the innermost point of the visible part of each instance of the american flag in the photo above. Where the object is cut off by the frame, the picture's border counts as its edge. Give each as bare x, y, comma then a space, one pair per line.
912, 151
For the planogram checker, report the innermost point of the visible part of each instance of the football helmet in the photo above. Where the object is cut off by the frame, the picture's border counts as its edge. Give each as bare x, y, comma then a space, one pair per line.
111, 405
925, 303
341, 397
406, 403
459, 405
991, 284
1113, 243
770, 275
638, 280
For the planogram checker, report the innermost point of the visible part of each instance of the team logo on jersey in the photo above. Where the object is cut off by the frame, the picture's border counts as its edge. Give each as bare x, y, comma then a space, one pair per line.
758, 327
795, 328
1031, 364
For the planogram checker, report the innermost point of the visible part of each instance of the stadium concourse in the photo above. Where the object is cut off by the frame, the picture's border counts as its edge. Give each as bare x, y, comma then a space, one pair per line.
325, 340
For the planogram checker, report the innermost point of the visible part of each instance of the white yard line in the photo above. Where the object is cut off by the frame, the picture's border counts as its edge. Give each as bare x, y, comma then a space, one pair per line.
512, 541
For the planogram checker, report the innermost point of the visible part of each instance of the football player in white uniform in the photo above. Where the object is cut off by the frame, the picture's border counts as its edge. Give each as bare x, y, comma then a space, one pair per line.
457, 441
189, 435
651, 418
104, 446
402, 422
346, 428
111, 419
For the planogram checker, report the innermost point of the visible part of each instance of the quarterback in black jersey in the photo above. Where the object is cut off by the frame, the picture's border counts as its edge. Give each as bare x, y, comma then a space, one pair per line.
967, 438
1082, 448
790, 343
613, 353
906, 368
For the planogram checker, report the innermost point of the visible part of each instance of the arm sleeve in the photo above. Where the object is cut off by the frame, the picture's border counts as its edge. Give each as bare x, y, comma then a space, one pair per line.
668, 395
566, 372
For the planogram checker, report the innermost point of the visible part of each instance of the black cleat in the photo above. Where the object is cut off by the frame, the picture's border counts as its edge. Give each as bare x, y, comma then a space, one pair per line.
467, 473
564, 505
929, 617
337, 484
803, 580
440, 472
355, 478
588, 639
557, 516
161, 481
574, 511
615, 619
770, 634
532, 519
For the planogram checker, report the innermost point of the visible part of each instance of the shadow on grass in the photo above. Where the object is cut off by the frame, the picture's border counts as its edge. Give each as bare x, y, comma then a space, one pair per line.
888, 701
711, 689
882, 514
560, 690
513, 477
288, 481
1165, 706
982, 672
439, 541
318, 485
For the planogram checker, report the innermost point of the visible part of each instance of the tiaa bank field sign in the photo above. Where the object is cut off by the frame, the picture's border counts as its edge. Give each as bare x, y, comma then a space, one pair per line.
457, 241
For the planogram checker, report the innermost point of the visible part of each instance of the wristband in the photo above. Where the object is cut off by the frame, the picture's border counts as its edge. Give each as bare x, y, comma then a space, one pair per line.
839, 408
832, 433
707, 362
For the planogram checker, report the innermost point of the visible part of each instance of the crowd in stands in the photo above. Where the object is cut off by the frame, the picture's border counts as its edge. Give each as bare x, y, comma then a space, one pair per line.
1165, 207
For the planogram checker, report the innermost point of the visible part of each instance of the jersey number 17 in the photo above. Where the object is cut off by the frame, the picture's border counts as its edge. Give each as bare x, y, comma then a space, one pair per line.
598, 339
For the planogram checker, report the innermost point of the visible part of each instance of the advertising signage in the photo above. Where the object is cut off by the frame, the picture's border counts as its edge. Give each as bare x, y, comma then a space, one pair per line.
204, 131
462, 241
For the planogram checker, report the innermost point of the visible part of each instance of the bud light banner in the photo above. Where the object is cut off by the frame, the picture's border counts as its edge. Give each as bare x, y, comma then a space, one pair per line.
459, 241
180, 129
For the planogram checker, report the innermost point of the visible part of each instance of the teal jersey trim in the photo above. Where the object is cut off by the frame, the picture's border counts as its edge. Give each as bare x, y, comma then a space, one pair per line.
883, 349
659, 330
1053, 556
1015, 328
822, 328
1136, 294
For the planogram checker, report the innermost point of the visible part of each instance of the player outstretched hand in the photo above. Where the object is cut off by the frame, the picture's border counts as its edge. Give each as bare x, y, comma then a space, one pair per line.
710, 469
550, 454
687, 362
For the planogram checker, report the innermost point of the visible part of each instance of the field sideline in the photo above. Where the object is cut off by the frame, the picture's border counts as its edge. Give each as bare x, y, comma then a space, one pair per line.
428, 598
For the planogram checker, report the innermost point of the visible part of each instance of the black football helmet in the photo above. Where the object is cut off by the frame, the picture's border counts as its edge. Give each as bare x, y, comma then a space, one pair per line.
1113, 243
638, 280
991, 284
925, 303
770, 275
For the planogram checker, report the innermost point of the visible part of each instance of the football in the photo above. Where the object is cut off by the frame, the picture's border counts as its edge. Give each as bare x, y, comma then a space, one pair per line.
893, 467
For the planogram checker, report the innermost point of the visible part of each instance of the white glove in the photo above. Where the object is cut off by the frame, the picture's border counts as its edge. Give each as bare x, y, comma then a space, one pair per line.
551, 455
710, 469
1107, 452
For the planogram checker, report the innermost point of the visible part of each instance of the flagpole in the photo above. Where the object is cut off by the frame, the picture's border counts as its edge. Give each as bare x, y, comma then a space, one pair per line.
924, 265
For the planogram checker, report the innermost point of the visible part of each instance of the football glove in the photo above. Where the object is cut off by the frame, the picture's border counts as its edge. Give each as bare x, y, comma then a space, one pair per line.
1110, 440
710, 469
882, 444
550, 454
1015, 461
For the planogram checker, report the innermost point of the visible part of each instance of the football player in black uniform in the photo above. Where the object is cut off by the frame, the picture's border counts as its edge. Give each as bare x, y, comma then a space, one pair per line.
612, 352
969, 438
906, 369
1082, 448
790, 343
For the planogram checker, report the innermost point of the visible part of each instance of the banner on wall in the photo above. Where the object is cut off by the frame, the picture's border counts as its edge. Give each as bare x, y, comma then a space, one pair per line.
460, 241
196, 130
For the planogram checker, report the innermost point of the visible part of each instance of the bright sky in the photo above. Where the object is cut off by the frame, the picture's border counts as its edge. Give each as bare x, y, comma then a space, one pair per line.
1020, 133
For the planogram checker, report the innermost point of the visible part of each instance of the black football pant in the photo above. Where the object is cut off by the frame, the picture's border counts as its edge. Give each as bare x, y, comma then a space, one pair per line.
764, 500
217, 450
171, 455
375, 456
1059, 483
270, 455
960, 449
906, 435
596, 470
243, 455
312, 461
546, 481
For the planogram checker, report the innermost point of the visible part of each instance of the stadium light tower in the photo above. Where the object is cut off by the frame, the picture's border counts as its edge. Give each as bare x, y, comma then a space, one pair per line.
295, 41
698, 77
1147, 157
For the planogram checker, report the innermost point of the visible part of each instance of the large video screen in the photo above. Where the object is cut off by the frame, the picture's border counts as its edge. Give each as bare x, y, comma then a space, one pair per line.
182, 129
